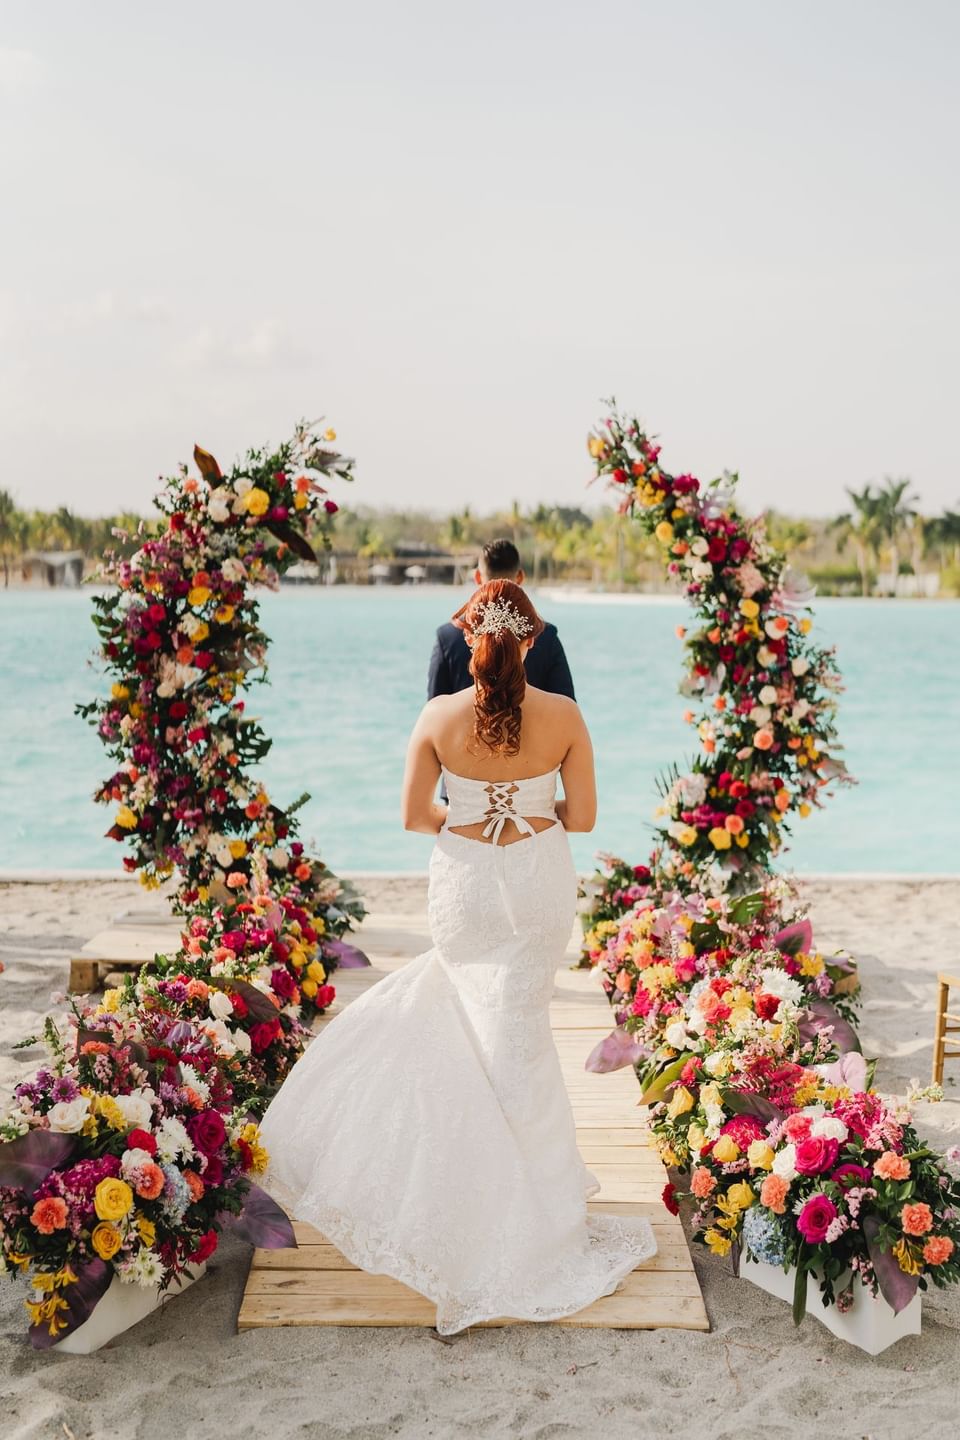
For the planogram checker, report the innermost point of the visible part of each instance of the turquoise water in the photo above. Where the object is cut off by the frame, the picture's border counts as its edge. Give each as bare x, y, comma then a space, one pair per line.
348, 672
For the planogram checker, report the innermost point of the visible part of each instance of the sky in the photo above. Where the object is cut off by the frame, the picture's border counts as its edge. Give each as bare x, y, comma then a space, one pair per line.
452, 229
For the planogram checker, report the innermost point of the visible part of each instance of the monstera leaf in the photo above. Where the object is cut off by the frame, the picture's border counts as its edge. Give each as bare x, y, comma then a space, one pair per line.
614, 1052
27, 1161
92, 1283
261, 1222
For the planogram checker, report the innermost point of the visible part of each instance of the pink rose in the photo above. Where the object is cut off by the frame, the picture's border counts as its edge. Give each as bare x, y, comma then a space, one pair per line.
815, 1218
815, 1154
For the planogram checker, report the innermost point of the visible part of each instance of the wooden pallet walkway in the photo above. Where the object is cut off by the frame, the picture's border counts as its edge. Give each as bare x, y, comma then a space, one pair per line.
316, 1285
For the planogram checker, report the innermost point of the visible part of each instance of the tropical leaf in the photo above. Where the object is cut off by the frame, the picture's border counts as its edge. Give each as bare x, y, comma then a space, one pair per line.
206, 464
820, 1015
262, 1223
286, 534
795, 939
27, 1161
261, 1007
92, 1283
897, 1288
346, 956
799, 1294
744, 1102
614, 1052
656, 1090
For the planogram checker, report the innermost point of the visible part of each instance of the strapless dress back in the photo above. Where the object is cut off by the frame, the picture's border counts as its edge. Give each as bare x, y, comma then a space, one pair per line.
427, 1131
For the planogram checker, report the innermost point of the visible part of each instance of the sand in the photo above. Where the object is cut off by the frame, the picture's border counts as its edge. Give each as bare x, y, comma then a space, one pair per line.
186, 1373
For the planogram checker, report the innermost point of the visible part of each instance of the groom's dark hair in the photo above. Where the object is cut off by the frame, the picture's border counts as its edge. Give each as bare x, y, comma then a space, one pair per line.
499, 560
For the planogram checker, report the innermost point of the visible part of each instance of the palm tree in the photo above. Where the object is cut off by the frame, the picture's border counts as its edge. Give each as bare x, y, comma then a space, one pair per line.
862, 526
8, 519
894, 511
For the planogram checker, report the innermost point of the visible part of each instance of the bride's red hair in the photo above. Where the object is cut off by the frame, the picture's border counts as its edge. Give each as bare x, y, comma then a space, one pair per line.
496, 664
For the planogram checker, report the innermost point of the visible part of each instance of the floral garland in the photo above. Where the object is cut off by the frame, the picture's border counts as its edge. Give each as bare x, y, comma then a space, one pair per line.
180, 634
765, 696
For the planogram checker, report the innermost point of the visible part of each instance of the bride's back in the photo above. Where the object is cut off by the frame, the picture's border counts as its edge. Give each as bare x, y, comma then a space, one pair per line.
546, 731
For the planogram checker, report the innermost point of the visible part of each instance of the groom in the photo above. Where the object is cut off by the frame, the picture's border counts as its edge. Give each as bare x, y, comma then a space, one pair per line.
546, 665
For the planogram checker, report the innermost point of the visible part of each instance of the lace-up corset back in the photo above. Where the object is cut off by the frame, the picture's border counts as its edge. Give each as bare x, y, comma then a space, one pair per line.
493, 802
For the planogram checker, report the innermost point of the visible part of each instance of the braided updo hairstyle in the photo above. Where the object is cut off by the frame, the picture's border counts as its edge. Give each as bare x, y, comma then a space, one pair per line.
496, 663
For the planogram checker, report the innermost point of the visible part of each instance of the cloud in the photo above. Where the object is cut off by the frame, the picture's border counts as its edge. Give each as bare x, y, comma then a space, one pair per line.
21, 72
91, 310
266, 346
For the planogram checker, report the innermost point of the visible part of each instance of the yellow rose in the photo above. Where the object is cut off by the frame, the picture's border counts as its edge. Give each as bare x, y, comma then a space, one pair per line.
804, 810
125, 818
119, 692
110, 1001
309, 988
717, 1242
739, 1014
726, 1150
257, 501
316, 972
680, 1102
750, 609
105, 1240
238, 848
664, 532
743, 840
760, 1155
740, 1196
709, 1095
112, 1199
201, 633
806, 625
146, 1230
198, 596
720, 838
300, 502
696, 1138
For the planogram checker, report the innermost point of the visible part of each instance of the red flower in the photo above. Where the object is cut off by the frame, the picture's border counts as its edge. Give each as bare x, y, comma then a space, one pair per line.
331, 507
207, 1131
325, 996
240, 1006
766, 1006
178, 710
141, 1140
263, 1035
208, 1243
669, 1198
816, 1154
717, 550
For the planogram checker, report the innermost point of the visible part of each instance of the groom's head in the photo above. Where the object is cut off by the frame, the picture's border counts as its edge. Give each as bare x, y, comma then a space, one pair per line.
499, 560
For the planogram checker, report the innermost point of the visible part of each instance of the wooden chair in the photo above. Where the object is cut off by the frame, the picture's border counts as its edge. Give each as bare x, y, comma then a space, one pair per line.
943, 1028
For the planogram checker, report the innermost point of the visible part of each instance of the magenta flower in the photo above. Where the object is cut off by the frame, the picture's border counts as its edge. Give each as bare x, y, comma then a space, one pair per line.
815, 1218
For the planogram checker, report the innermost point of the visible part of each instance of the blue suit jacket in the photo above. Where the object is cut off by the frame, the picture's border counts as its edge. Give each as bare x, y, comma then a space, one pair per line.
546, 664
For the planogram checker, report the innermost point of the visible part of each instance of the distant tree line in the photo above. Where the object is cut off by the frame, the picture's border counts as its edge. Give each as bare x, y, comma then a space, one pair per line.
881, 535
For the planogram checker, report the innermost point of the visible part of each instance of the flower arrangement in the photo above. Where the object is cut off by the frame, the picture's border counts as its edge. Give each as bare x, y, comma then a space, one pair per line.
180, 635
763, 696
125, 1156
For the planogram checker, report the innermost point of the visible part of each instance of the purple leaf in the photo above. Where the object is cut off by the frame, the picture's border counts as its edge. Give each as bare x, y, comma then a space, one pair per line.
849, 1070
27, 1161
745, 1102
261, 1222
614, 1052
820, 1015
345, 956
896, 1288
795, 938
93, 1281
260, 1006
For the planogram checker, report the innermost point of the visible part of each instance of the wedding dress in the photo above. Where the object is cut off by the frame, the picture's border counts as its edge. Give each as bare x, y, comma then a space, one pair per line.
427, 1131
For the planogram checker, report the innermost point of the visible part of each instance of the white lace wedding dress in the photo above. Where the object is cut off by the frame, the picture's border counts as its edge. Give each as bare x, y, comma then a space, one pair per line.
427, 1130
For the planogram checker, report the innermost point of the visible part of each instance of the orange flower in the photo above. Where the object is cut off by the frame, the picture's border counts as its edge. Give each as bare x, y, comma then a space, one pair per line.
702, 1183
763, 740
49, 1214
734, 824
773, 1194
916, 1219
194, 1184
236, 880
937, 1249
892, 1166
625, 981
197, 989
150, 1181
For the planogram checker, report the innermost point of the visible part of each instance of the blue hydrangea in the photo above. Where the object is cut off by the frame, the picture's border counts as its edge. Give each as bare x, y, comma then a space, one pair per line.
176, 1193
762, 1235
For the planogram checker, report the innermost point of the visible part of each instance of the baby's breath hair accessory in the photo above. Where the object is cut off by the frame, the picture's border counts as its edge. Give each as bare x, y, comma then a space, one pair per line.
499, 615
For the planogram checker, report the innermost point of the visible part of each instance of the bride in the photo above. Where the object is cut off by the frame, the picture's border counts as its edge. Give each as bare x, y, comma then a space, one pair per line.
427, 1131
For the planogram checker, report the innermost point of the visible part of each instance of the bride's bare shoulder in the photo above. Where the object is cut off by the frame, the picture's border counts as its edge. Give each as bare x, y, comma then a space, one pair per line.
558, 709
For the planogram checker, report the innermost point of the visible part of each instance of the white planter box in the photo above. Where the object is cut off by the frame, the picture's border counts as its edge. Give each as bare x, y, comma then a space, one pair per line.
870, 1324
121, 1307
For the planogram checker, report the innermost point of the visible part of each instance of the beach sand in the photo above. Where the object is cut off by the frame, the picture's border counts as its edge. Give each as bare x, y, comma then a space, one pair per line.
186, 1373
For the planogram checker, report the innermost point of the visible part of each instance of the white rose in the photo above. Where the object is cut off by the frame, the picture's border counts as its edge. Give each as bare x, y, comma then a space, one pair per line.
68, 1116
137, 1107
768, 695
224, 857
218, 506
801, 709
800, 665
701, 570
676, 1035
221, 1006
699, 546
222, 1036
759, 714
241, 1041
278, 857
765, 657
785, 1163
234, 570
830, 1128
714, 1062
243, 486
